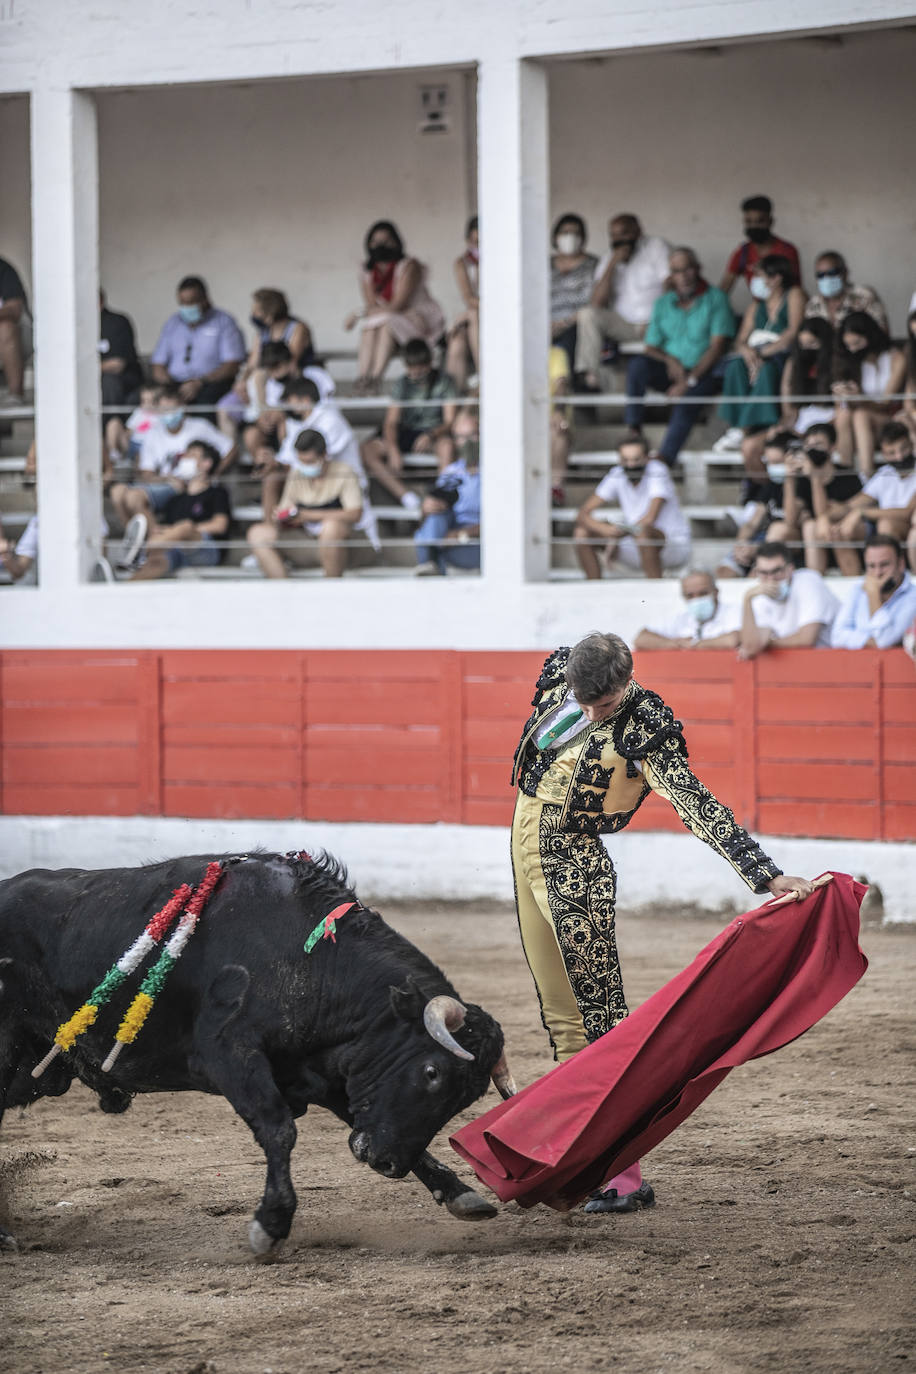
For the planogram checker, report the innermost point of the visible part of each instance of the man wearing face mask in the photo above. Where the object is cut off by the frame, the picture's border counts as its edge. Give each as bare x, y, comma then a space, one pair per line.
704, 623
836, 296
879, 610
815, 489
164, 466
449, 534
628, 281
320, 498
759, 242
652, 533
199, 349
787, 607
887, 500
688, 336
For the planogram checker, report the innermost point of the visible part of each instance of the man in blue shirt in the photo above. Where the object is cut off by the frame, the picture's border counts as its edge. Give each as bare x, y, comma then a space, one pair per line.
882, 606
687, 338
200, 348
450, 528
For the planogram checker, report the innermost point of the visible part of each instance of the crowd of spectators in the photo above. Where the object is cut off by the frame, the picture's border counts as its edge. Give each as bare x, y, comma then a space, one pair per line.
808, 388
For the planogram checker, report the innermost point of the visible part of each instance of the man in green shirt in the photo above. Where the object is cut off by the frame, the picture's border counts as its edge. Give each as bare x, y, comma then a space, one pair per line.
688, 336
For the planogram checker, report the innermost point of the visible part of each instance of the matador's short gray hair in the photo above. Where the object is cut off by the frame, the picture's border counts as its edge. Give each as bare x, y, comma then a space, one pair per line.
599, 665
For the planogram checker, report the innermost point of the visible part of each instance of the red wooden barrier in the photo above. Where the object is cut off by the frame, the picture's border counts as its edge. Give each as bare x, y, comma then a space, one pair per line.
798, 743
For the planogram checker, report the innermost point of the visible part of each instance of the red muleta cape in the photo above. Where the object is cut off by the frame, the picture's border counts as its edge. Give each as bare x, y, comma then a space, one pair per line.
765, 980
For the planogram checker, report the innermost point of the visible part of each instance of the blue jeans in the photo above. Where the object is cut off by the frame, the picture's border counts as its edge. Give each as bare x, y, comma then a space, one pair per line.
643, 373
435, 527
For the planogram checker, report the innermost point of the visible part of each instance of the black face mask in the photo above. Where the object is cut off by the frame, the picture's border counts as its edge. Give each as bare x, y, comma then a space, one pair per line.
758, 234
817, 456
258, 322
634, 475
383, 252
904, 465
889, 585
623, 243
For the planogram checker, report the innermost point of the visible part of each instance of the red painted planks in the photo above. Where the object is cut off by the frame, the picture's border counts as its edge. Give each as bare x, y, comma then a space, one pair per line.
32, 799
840, 819
802, 745
209, 767
232, 701
238, 801
48, 679
783, 782
795, 704
65, 764
73, 723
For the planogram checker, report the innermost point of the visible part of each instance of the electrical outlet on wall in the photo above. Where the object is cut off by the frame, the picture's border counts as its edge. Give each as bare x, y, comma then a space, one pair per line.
435, 110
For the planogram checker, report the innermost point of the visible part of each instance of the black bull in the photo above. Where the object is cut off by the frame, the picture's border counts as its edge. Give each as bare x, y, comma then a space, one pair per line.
245, 1013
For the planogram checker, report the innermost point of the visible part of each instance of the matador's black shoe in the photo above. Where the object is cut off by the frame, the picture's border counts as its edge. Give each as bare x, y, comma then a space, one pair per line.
611, 1201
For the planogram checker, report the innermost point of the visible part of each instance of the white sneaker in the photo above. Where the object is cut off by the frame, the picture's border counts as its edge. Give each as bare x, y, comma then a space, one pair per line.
250, 563
427, 570
411, 501
731, 440
101, 571
133, 541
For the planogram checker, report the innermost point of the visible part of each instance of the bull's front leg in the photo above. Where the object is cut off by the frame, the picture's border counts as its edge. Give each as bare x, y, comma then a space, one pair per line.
240, 1070
446, 1187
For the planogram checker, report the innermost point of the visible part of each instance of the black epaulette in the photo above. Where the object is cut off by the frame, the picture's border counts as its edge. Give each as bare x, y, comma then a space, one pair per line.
552, 673
643, 725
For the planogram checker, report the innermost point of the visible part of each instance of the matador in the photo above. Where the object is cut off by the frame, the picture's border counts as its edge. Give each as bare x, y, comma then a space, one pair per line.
592, 749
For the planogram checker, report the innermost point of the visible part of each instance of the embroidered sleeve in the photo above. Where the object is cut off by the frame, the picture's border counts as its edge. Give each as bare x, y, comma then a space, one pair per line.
668, 773
552, 674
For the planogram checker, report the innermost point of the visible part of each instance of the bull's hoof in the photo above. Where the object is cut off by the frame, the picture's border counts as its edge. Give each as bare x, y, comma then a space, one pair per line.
8, 1243
470, 1206
264, 1246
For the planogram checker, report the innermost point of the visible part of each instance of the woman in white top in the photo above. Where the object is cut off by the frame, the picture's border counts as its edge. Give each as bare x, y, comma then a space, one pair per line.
397, 307
869, 368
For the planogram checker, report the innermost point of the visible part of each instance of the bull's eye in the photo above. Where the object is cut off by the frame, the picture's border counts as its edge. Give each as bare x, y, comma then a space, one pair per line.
432, 1073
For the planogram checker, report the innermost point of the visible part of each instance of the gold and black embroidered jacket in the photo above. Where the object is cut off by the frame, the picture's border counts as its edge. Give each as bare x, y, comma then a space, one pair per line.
601, 782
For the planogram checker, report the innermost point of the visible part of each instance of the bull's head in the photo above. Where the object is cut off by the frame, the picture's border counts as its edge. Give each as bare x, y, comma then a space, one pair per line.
429, 1077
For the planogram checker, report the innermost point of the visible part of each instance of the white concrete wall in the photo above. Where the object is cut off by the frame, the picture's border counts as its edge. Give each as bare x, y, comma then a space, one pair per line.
449, 862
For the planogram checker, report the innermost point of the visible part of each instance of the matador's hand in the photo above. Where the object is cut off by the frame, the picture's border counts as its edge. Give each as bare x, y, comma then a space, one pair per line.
783, 884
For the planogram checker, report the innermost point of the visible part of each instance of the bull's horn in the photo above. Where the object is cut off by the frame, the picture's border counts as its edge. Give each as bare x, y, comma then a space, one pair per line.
441, 1016
502, 1077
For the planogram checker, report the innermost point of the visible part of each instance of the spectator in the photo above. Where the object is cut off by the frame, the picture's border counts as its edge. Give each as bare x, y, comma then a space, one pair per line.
908, 413
449, 533
321, 499
762, 512
123, 438
120, 366
815, 489
21, 560
410, 427
688, 335
704, 623
13, 306
274, 326
759, 243
199, 349
653, 533
767, 332
561, 421
572, 274
197, 516
397, 305
836, 296
462, 357
809, 372
261, 434
880, 609
306, 409
869, 369
787, 608
165, 465
628, 281
887, 501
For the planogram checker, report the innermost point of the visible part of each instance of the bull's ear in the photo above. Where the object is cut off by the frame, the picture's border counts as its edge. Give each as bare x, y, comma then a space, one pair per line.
407, 1001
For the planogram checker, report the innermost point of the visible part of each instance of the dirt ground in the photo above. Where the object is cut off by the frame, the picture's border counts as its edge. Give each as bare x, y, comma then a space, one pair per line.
784, 1237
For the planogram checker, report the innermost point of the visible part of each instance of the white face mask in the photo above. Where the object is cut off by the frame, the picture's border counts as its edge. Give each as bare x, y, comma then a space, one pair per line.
309, 469
569, 243
702, 608
761, 289
781, 591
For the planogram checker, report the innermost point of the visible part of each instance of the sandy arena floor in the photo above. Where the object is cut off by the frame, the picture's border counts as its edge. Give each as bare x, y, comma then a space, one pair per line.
783, 1240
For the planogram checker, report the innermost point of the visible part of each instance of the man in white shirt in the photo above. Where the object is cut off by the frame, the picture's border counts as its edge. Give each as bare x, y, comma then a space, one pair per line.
787, 607
652, 532
164, 465
882, 606
704, 623
888, 498
628, 281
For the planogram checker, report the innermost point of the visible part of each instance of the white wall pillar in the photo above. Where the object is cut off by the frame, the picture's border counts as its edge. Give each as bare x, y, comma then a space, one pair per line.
65, 266
514, 287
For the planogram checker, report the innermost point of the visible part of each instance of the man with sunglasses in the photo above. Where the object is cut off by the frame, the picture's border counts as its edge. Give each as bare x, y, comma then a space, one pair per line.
200, 348
836, 296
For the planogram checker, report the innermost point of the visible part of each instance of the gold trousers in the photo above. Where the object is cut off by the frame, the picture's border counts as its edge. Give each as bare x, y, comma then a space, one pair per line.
565, 889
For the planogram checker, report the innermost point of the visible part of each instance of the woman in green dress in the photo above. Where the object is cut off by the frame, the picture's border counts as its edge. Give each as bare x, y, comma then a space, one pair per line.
767, 333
